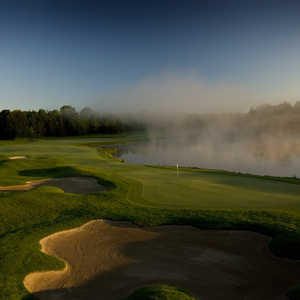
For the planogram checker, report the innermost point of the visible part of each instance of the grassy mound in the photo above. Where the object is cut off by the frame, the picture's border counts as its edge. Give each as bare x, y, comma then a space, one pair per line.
160, 292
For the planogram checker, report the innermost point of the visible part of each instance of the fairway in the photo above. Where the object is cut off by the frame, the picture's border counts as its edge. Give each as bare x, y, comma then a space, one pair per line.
144, 195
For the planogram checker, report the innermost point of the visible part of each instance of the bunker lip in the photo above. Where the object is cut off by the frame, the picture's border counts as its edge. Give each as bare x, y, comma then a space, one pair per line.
24, 187
75, 185
112, 259
18, 157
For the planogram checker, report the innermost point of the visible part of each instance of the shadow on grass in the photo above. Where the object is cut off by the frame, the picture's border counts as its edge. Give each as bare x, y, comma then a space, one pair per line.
260, 184
30, 297
57, 172
3, 161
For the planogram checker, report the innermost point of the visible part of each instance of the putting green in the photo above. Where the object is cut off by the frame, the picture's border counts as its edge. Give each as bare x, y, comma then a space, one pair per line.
204, 189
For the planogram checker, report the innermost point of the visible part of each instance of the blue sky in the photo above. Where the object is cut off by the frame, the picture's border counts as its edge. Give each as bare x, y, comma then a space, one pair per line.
80, 52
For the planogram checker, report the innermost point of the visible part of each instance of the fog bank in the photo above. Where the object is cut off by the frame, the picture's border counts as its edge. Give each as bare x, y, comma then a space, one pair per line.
264, 141
209, 124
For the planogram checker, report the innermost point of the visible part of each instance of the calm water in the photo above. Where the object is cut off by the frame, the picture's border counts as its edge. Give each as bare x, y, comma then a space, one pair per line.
234, 156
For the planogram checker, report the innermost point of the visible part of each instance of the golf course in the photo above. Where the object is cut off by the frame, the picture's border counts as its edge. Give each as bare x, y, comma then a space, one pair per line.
53, 189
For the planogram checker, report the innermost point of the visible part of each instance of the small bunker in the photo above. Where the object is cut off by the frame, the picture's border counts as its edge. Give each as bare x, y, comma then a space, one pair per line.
17, 157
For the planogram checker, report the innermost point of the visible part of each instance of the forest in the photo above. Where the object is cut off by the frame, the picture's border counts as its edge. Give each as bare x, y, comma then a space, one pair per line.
64, 122
265, 120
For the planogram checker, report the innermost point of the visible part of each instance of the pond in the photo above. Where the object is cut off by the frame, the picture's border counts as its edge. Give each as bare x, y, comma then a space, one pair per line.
240, 156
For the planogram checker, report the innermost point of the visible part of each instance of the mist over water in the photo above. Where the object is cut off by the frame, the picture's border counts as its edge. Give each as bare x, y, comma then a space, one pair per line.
234, 156
264, 141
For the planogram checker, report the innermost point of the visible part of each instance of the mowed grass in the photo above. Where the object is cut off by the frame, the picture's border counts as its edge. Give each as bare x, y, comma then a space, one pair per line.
144, 195
204, 189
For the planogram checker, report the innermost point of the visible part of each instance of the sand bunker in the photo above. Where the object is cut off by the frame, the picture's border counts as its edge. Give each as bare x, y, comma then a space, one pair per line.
75, 185
17, 157
24, 187
108, 260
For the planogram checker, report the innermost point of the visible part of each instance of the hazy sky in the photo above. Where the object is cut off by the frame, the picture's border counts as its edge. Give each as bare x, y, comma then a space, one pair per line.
55, 52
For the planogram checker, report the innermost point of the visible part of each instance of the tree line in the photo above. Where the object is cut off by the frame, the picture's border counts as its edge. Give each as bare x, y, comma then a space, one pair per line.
263, 120
58, 123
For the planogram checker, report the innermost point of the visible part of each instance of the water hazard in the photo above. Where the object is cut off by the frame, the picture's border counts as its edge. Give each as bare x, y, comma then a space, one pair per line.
238, 156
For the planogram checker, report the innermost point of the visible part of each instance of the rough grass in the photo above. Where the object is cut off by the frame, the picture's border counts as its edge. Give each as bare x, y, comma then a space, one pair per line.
160, 292
141, 194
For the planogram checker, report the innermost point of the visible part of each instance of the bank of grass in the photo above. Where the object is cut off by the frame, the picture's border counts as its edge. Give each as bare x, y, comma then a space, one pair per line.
160, 292
141, 194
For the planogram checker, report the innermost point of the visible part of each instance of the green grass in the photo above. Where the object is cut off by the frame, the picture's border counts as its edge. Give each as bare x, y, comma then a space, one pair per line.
160, 292
141, 194
202, 189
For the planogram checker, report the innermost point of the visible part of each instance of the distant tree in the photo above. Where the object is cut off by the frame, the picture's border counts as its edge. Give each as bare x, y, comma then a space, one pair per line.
7, 128
65, 122
87, 113
19, 122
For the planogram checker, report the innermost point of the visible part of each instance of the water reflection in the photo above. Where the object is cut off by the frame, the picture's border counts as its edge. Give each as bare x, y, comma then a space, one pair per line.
254, 157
